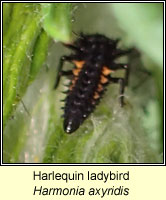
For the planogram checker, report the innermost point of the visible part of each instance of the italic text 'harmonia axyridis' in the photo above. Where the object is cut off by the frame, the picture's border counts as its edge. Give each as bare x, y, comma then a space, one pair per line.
93, 57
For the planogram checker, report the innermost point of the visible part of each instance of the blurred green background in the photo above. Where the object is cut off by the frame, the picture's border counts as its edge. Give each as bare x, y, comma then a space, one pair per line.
32, 123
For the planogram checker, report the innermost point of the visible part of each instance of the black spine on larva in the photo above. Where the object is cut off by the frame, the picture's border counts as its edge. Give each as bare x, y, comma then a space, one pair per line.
96, 51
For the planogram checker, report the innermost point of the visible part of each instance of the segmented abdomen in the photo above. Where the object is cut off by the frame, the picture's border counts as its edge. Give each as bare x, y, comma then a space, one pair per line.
85, 91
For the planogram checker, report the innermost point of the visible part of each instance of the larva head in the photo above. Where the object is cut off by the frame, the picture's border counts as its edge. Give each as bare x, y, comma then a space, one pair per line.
91, 44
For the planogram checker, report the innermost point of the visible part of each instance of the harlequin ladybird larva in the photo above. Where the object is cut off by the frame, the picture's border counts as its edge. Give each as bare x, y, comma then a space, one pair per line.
93, 58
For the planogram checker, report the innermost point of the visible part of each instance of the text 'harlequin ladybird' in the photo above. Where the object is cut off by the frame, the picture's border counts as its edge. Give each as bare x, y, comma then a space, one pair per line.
93, 58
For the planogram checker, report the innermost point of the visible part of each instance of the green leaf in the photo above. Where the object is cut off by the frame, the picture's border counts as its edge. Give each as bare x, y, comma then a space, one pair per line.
57, 20
143, 23
23, 29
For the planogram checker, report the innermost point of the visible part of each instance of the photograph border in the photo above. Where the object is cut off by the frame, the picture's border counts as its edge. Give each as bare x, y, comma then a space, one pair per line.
83, 164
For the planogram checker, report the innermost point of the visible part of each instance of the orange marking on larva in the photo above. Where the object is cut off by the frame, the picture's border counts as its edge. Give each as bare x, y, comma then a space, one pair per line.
96, 95
76, 71
72, 83
106, 71
79, 64
75, 78
93, 102
103, 79
71, 87
100, 88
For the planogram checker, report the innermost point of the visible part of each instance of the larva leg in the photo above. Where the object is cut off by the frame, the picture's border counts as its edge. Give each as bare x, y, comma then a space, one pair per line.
119, 66
60, 71
121, 81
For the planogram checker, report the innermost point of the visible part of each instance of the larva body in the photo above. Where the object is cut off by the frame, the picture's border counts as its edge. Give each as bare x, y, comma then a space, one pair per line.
94, 59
